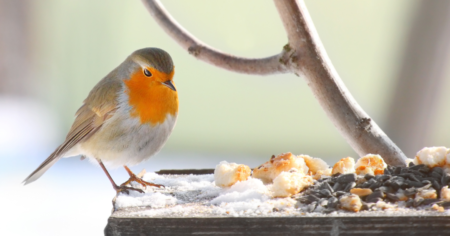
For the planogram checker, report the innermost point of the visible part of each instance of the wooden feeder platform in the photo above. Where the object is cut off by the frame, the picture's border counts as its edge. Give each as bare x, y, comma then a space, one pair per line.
429, 223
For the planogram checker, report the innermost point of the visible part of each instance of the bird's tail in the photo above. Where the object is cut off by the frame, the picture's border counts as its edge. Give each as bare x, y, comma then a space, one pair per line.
52, 159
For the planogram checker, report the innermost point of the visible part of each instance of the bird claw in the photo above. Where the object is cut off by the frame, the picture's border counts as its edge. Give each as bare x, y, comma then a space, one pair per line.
140, 181
134, 178
125, 189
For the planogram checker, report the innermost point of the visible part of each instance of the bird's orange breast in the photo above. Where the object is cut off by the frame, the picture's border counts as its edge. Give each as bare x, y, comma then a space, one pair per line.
150, 100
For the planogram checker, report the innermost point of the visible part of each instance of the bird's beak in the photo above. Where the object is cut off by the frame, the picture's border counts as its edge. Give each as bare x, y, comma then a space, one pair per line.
169, 84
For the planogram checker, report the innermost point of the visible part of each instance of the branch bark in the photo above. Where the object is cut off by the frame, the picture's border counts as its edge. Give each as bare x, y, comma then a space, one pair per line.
305, 56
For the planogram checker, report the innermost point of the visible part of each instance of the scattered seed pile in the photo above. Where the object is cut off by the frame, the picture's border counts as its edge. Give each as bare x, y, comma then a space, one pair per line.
412, 187
367, 184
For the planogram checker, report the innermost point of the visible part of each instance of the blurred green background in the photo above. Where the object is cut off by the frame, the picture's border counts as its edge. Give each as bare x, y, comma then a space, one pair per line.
76, 43
70, 45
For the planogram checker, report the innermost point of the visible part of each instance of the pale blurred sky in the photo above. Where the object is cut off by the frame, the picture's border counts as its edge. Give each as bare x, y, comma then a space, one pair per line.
223, 115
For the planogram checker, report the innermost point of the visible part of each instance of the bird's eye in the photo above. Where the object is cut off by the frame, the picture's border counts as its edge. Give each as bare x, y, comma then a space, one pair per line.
147, 73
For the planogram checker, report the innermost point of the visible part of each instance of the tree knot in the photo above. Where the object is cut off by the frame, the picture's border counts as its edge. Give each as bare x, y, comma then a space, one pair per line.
194, 50
287, 47
364, 124
288, 56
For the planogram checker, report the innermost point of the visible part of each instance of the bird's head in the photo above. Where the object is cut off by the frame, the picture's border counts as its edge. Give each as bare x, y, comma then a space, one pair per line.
155, 65
150, 88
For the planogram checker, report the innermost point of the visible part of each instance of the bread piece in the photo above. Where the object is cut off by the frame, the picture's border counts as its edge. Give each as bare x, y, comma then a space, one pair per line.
370, 164
361, 192
445, 194
268, 171
427, 194
432, 156
315, 164
401, 195
350, 202
226, 174
322, 173
290, 183
384, 206
437, 208
344, 166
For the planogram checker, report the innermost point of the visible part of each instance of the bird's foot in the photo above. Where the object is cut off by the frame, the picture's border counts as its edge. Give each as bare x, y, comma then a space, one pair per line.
139, 180
125, 189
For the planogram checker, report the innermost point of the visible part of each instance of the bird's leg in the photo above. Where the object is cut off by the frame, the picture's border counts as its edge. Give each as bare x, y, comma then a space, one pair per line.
133, 177
120, 188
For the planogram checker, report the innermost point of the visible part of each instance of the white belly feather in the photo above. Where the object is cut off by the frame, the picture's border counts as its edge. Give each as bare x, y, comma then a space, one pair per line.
123, 140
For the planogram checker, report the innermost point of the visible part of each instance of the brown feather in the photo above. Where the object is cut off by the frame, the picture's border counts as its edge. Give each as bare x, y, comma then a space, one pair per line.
98, 107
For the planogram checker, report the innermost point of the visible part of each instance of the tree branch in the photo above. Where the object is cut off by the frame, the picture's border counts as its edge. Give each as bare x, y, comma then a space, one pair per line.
200, 50
304, 55
311, 61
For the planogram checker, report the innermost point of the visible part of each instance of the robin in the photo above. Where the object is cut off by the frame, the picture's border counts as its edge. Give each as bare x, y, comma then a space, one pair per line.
126, 118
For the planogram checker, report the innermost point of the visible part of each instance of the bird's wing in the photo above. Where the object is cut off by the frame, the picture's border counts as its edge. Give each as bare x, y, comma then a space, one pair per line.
98, 107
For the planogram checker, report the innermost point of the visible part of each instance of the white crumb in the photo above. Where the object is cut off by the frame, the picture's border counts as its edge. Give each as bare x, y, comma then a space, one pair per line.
226, 174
